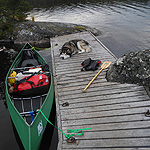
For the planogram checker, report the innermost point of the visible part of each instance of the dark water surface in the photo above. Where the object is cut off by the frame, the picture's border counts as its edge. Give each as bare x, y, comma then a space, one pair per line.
125, 27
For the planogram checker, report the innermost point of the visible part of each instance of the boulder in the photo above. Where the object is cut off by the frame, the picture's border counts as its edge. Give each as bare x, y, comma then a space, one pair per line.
133, 68
7, 57
38, 34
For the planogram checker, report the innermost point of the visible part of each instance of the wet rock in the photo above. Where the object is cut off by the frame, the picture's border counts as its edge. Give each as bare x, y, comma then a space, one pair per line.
2, 92
7, 56
7, 43
41, 32
133, 67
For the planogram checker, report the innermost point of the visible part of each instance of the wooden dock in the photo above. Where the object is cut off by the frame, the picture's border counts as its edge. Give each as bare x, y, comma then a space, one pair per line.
115, 112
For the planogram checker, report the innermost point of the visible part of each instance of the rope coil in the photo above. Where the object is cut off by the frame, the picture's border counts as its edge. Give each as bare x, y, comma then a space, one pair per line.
77, 132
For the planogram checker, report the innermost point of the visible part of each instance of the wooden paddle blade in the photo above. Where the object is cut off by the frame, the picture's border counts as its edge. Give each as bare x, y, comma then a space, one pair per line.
105, 65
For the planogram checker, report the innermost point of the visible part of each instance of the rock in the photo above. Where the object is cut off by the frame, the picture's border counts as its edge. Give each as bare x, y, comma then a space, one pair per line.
2, 92
41, 32
7, 43
133, 68
7, 57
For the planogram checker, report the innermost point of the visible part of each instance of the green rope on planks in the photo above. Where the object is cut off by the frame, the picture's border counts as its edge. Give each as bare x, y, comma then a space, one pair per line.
78, 132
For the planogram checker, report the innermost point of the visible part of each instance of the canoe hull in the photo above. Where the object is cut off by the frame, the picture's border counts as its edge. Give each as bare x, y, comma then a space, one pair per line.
30, 135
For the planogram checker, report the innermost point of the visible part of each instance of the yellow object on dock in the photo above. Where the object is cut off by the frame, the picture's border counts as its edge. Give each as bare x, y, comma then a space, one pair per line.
105, 65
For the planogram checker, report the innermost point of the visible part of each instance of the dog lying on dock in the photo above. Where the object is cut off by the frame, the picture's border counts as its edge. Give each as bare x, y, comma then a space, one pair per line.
73, 47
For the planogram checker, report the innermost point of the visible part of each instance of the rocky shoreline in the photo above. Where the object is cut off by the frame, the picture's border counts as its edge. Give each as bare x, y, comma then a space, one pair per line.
133, 68
38, 34
7, 57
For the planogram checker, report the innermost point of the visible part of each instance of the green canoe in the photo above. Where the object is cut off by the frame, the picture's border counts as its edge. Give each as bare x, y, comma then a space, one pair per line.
28, 121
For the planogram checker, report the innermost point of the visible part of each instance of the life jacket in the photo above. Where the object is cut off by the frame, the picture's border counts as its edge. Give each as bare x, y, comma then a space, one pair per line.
90, 64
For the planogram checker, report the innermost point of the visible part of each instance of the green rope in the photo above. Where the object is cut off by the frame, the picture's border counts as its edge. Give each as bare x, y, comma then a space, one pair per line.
76, 131
43, 48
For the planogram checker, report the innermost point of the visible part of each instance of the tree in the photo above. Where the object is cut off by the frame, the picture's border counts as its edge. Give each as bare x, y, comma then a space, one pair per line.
12, 11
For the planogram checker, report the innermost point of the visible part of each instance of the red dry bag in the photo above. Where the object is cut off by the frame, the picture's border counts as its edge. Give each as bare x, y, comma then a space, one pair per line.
36, 84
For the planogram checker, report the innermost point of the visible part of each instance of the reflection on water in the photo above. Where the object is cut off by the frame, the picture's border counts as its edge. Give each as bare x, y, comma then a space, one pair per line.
124, 24
125, 27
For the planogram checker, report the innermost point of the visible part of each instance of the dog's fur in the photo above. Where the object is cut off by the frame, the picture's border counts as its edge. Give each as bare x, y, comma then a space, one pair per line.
73, 47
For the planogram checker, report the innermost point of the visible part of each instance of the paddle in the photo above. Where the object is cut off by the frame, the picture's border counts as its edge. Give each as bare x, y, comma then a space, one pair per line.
105, 65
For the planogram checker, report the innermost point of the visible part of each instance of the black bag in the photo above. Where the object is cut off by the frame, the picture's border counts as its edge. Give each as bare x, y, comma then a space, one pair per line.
90, 64
29, 58
28, 54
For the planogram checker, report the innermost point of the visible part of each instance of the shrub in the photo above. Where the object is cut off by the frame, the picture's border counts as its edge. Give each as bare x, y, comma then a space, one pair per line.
11, 12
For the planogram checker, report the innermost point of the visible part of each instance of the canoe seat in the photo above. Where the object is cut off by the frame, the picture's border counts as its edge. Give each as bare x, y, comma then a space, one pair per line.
23, 68
26, 113
30, 114
29, 62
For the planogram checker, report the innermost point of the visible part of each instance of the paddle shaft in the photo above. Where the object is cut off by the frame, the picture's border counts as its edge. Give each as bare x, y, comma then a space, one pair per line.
105, 65
92, 80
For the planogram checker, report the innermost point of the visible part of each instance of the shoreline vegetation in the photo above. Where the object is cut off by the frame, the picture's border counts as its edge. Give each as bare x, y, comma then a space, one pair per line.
12, 12
39, 33
14, 27
18, 31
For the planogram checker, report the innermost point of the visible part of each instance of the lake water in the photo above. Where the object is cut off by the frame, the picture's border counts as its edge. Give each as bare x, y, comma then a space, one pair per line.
125, 27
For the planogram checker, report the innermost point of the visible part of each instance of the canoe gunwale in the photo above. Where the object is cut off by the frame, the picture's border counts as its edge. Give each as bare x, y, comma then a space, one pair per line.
15, 115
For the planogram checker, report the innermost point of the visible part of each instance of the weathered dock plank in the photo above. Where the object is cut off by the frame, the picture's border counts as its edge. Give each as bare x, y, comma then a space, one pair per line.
108, 143
114, 112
